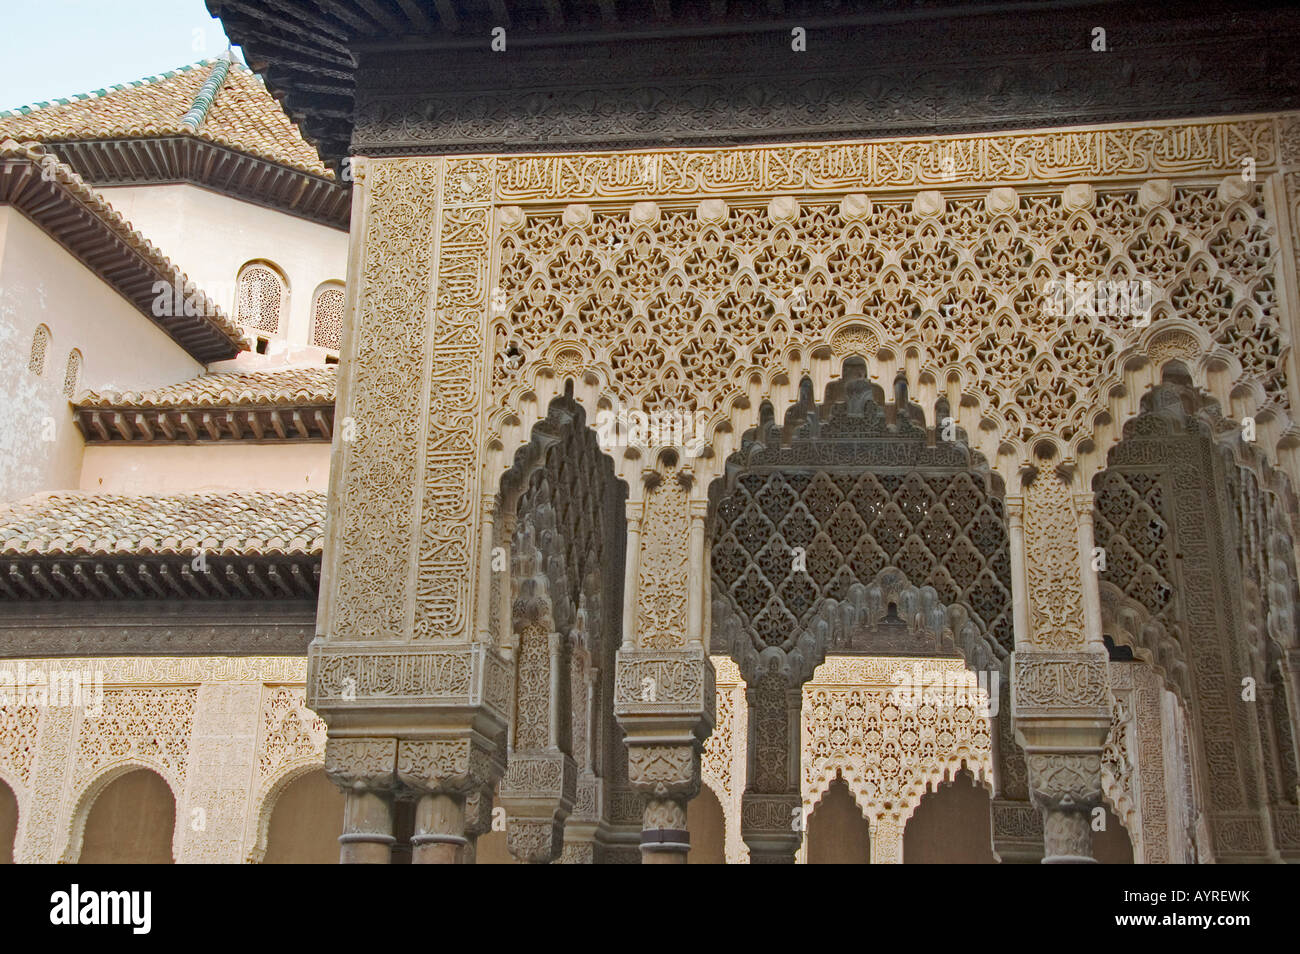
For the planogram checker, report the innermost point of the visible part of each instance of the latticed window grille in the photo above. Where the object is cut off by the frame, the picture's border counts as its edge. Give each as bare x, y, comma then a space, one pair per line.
327, 319
261, 298
72, 374
40, 344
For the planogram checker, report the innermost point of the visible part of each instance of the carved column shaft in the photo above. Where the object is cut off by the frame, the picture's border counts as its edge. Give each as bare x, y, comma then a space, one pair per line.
1060, 693
439, 837
365, 769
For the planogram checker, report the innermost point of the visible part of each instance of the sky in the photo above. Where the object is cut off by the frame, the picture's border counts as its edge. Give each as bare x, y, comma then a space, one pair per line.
57, 48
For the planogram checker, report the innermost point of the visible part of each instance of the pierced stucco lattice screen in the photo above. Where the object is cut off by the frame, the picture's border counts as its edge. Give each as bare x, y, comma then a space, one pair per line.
40, 345
72, 373
327, 319
261, 298
684, 305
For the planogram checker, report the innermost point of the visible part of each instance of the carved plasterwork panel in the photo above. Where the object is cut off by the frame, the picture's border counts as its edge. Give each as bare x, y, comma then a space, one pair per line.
722, 764
1203, 572
225, 733
377, 488
451, 428
1055, 579
681, 308
890, 747
1154, 150
662, 573
857, 495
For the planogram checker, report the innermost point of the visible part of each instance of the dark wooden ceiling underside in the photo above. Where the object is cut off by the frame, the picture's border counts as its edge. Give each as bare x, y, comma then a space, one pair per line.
315, 56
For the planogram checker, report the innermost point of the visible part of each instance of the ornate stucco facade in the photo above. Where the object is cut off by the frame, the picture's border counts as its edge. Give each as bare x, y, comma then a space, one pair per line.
740, 489
537, 292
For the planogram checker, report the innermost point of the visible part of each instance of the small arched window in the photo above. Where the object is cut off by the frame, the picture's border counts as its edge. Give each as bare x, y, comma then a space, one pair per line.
263, 297
72, 374
327, 317
40, 347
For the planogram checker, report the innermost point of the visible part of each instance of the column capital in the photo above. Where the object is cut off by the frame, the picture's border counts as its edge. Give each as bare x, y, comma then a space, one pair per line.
362, 764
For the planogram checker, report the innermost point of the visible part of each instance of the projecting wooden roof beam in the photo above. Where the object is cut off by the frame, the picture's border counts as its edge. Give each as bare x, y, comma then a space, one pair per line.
500, 16
19, 580
377, 12
447, 15
122, 425
97, 423
37, 575
106, 581
235, 580
345, 12
83, 578
211, 426
322, 423
124, 576
413, 13
187, 425
149, 581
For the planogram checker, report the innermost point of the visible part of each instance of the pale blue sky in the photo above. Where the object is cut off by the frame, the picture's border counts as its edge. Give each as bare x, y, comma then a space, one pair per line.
56, 48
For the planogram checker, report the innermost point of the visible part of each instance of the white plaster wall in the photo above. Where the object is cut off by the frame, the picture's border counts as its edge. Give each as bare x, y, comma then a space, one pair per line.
228, 466
40, 283
210, 236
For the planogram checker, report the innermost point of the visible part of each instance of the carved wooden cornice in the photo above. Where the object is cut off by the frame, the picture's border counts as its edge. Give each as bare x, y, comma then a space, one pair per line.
56, 199
418, 76
154, 160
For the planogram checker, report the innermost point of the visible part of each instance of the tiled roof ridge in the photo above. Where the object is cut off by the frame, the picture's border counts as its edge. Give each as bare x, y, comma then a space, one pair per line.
97, 93
164, 524
101, 209
207, 94
314, 384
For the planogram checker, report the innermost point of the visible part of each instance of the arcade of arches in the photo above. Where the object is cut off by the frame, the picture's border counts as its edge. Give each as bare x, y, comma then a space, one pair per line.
772, 474
760, 505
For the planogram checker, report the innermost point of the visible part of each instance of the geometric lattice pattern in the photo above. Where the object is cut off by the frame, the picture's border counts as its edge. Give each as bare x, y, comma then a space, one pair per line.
327, 319
40, 344
260, 298
684, 305
857, 495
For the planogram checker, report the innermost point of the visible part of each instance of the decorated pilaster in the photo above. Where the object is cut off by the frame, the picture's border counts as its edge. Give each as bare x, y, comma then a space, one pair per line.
415, 701
1060, 698
664, 682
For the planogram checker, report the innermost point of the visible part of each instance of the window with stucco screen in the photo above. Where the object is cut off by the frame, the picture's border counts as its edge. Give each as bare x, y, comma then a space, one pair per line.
327, 319
72, 374
261, 298
40, 344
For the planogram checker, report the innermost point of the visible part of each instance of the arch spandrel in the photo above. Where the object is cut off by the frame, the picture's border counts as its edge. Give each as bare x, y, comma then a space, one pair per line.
946, 269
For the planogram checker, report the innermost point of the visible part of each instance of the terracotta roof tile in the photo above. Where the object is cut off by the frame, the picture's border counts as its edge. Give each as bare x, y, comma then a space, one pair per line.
244, 116
253, 523
314, 385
